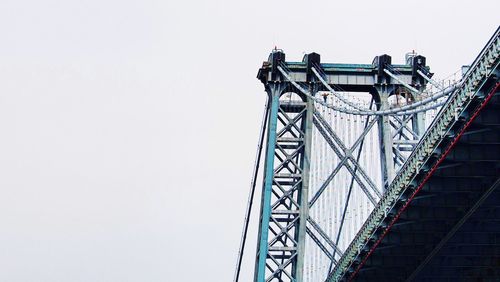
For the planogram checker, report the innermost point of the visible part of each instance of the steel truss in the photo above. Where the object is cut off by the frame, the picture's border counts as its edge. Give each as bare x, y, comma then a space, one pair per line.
296, 207
285, 184
287, 224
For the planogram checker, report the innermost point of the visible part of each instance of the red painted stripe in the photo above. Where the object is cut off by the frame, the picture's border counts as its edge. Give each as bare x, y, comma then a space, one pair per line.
429, 174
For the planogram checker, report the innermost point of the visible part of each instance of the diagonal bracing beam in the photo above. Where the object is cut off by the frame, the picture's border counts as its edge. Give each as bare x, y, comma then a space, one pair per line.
339, 166
348, 156
348, 153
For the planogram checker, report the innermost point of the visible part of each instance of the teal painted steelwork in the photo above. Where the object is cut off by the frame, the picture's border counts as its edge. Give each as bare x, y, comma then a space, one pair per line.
485, 66
284, 203
268, 181
355, 68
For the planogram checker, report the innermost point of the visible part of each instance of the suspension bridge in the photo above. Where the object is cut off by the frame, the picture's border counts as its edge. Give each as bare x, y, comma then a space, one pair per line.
378, 172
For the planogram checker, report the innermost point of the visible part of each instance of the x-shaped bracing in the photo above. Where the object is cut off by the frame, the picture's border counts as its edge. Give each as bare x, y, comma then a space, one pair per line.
344, 155
286, 184
403, 135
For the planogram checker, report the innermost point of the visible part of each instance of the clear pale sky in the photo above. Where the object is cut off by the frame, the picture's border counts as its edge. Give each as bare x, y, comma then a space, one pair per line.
128, 128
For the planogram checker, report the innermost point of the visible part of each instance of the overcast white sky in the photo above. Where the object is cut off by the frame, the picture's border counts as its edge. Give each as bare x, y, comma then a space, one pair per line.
128, 128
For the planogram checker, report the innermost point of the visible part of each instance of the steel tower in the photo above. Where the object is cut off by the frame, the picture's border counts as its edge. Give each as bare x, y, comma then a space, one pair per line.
377, 172
285, 222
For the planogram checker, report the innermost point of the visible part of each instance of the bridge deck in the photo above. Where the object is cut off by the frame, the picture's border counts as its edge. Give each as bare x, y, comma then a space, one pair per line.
450, 231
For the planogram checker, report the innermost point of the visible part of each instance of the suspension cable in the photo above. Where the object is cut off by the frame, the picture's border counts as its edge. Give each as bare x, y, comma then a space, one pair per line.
335, 92
251, 192
412, 89
396, 111
430, 80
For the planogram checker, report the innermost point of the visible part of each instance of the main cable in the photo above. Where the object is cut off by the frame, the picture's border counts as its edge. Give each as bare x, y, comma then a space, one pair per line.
251, 192
405, 110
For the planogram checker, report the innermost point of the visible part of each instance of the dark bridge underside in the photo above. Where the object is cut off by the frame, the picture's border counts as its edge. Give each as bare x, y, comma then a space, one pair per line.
451, 229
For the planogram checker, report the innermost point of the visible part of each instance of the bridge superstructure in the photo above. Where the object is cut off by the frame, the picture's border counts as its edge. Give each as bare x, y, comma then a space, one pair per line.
375, 171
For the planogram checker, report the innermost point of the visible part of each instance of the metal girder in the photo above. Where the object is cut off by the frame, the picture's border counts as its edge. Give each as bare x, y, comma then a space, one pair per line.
455, 228
387, 163
283, 217
333, 245
320, 245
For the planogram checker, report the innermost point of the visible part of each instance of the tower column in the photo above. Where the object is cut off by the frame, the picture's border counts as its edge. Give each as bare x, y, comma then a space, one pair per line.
274, 92
304, 193
386, 141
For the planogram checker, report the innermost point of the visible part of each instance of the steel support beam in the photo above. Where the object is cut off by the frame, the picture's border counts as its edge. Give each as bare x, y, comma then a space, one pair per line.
303, 195
386, 141
274, 94
285, 203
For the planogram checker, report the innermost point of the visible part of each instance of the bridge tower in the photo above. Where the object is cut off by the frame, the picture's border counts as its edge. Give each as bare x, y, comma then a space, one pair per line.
294, 89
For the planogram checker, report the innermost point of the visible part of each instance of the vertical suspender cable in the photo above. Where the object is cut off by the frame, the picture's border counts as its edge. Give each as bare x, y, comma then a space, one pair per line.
349, 191
252, 192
